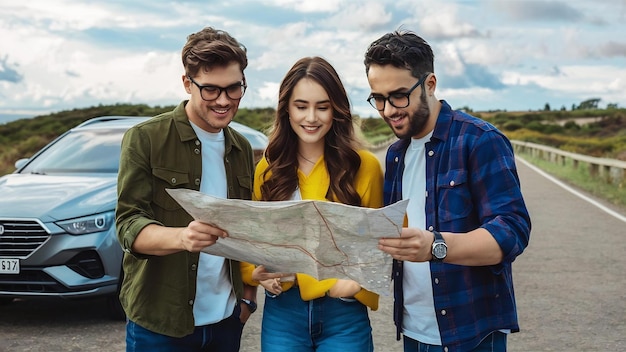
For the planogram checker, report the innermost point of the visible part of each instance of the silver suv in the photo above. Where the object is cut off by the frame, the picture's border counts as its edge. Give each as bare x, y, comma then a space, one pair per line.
57, 221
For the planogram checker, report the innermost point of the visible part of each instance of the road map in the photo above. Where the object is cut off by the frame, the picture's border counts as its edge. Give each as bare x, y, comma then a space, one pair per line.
321, 239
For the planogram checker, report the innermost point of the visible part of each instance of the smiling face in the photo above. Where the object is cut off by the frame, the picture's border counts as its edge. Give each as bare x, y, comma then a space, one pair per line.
414, 120
214, 115
310, 114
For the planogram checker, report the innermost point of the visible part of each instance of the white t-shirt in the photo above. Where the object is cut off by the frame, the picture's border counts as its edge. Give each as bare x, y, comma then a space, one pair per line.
419, 319
215, 298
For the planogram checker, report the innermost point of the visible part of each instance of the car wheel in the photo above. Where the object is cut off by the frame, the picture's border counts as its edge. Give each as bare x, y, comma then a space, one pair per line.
115, 307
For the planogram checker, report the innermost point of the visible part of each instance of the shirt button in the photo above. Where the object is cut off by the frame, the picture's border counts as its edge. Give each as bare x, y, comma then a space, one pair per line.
395, 160
451, 183
431, 153
173, 180
436, 281
197, 142
443, 312
445, 349
430, 228
193, 266
191, 302
197, 151
197, 181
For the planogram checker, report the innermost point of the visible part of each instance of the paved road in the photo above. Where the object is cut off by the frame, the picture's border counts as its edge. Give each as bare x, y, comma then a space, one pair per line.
570, 286
570, 283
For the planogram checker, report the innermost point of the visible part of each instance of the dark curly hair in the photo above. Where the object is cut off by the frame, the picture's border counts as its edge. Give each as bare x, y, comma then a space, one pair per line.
402, 49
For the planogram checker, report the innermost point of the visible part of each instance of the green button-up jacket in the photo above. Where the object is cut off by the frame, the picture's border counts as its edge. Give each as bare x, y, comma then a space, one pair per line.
164, 152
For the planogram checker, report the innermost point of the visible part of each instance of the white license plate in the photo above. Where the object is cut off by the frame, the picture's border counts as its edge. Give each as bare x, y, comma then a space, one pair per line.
9, 266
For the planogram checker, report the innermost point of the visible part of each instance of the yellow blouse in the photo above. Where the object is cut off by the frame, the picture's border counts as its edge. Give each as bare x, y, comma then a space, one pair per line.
369, 185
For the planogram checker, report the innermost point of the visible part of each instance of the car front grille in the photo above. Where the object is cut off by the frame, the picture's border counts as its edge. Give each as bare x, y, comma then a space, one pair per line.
20, 238
30, 280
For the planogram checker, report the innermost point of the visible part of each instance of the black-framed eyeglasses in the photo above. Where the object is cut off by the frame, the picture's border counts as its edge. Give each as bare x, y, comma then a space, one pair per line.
397, 100
210, 92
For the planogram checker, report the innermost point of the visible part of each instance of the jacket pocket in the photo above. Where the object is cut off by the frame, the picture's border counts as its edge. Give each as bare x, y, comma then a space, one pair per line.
244, 184
454, 196
164, 179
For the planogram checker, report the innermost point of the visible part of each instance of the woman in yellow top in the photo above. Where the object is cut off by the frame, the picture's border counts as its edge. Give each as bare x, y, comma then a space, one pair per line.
314, 153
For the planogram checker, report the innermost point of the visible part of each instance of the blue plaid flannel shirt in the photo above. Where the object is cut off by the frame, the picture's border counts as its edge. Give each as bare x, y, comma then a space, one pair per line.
471, 182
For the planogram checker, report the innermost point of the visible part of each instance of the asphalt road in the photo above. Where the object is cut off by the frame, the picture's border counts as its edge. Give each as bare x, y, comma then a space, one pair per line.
570, 286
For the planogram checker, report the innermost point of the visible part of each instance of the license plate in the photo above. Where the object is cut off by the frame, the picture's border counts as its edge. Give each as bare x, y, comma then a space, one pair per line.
9, 266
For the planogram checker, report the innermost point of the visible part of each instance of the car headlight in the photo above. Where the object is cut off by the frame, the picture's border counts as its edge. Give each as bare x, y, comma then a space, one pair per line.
88, 224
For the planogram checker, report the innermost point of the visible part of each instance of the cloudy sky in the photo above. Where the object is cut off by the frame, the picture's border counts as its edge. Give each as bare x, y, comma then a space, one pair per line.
513, 55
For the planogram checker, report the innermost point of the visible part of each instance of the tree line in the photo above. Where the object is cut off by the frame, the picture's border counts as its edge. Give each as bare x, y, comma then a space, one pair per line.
585, 130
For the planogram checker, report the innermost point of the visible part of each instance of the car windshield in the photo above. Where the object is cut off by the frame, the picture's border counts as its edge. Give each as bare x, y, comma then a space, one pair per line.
80, 151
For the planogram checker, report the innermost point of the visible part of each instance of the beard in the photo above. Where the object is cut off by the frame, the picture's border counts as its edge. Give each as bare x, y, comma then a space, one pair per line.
417, 121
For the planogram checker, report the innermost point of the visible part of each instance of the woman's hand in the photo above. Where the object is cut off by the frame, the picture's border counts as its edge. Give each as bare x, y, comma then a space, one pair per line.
269, 281
344, 288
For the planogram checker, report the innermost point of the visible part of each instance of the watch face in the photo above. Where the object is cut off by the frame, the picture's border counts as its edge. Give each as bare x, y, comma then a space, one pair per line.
440, 250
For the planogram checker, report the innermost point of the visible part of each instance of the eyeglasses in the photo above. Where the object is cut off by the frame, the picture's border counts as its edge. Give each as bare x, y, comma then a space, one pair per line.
397, 100
211, 92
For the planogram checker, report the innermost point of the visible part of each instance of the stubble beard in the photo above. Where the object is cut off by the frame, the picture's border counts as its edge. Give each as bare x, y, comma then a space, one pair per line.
213, 123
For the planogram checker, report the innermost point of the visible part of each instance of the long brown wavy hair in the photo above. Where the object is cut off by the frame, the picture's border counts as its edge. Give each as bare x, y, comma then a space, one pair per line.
340, 143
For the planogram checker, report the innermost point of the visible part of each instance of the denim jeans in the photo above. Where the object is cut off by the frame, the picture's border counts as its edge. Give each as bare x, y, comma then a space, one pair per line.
324, 324
495, 342
223, 336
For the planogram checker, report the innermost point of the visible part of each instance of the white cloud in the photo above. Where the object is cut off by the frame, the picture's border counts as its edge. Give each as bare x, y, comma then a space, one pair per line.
578, 82
304, 5
67, 53
362, 15
269, 92
445, 24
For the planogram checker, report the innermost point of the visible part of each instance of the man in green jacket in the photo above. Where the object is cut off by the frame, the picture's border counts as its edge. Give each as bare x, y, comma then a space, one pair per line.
176, 297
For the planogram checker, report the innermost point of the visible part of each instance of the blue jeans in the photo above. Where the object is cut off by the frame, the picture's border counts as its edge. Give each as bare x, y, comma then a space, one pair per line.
496, 342
324, 324
223, 336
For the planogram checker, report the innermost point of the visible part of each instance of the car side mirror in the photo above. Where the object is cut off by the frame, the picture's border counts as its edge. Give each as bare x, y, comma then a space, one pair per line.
21, 162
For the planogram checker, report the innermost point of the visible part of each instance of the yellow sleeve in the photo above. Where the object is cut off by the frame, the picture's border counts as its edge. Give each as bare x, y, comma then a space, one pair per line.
310, 288
246, 273
368, 298
261, 166
369, 180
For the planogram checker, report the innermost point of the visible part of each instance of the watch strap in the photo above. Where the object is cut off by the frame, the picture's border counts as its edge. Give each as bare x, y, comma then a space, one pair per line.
251, 304
439, 244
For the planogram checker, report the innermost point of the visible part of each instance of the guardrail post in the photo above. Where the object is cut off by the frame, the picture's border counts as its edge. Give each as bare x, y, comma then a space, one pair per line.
594, 170
616, 176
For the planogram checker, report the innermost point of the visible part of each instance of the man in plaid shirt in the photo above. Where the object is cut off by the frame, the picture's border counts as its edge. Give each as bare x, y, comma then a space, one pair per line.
467, 220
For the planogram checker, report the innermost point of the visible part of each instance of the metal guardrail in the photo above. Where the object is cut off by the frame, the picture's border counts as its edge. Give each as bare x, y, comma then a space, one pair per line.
611, 170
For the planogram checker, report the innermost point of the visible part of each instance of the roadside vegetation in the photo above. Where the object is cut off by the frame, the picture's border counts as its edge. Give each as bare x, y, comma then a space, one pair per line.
579, 177
584, 130
594, 132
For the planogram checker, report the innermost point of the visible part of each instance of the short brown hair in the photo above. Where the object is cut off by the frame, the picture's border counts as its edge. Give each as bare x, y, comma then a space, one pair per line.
212, 47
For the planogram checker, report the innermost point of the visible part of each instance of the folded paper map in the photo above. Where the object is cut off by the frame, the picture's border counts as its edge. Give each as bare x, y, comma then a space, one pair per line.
321, 239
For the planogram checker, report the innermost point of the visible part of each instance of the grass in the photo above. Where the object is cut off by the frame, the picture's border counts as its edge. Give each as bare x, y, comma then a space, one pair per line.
581, 178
